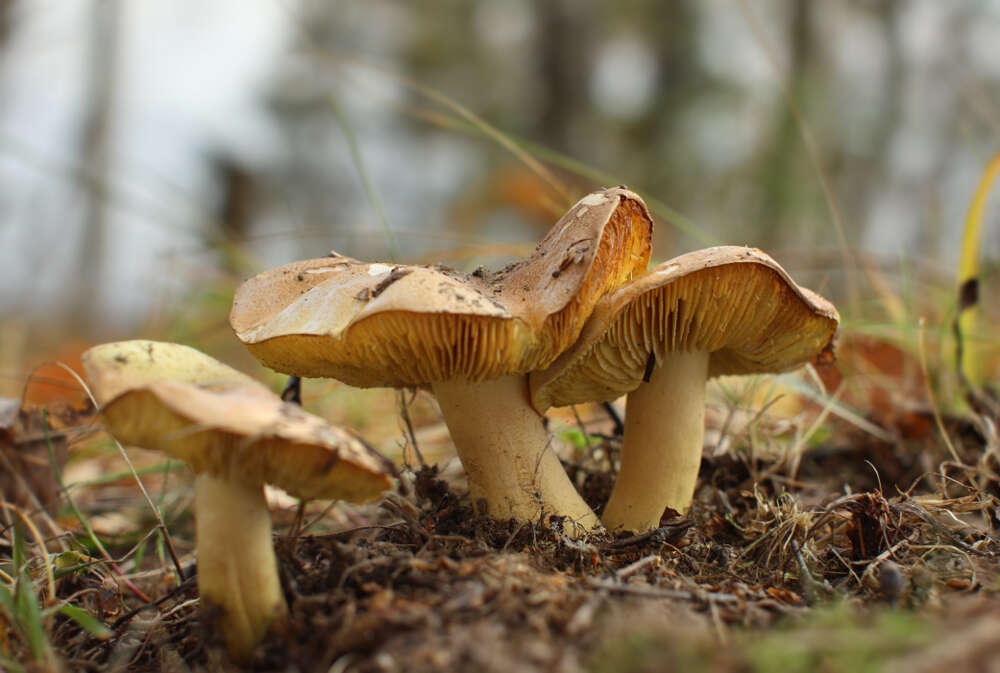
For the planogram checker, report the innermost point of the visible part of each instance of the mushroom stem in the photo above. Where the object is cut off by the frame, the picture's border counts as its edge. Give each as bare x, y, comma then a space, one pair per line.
237, 570
664, 429
506, 452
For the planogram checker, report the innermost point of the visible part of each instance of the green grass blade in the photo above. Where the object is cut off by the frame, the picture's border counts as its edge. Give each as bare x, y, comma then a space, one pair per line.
17, 548
12, 665
57, 473
70, 562
7, 601
659, 208
392, 248
158, 468
28, 615
87, 621
674, 218
140, 554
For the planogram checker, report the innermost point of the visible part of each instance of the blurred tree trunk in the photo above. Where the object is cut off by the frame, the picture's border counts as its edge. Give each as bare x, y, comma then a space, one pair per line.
84, 308
239, 196
664, 171
6, 21
888, 12
238, 187
564, 38
869, 175
781, 178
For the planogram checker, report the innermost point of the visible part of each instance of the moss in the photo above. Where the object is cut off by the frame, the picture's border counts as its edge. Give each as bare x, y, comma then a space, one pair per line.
836, 639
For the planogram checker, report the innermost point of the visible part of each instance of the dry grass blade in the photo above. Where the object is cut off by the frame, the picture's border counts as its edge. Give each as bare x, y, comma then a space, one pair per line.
809, 141
796, 451
135, 475
487, 129
844, 413
931, 399
42, 549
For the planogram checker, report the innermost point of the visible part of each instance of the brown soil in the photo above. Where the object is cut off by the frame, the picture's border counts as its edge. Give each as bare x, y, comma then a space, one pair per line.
427, 584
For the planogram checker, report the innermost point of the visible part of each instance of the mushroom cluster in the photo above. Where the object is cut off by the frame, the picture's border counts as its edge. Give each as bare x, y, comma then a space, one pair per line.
472, 339
580, 320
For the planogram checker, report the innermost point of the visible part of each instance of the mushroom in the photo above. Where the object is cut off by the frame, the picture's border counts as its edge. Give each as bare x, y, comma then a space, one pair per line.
235, 434
722, 310
471, 339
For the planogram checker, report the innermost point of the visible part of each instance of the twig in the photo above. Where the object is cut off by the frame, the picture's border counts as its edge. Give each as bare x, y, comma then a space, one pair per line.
180, 606
399, 509
619, 428
300, 513
637, 566
661, 534
319, 517
875, 562
811, 587
395, 527
583, 429
115, 625
404, 411
510, 538
654, 592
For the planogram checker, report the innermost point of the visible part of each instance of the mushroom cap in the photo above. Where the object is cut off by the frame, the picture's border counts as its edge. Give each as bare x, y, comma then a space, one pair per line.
734, 302
377, 324
113, 368
227, 424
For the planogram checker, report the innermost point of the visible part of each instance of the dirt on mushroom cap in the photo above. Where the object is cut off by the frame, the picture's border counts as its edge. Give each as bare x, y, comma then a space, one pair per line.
404, 334
736, 303
381, 325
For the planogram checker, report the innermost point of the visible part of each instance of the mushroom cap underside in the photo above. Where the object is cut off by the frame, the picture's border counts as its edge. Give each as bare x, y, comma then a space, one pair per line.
734, 302
240, 431
377, 324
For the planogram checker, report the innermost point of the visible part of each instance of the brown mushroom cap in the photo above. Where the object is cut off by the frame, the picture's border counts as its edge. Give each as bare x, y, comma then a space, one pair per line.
734, 302
376, 324
392, 325
174, 399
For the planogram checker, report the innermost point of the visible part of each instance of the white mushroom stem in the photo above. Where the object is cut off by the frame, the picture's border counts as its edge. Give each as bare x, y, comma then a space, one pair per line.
507, 452
664, 429
237, 570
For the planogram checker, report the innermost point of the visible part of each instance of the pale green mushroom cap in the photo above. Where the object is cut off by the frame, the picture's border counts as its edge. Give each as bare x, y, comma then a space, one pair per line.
174, 399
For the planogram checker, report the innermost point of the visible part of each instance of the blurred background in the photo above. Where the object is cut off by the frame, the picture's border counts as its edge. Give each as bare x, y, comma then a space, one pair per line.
154, 153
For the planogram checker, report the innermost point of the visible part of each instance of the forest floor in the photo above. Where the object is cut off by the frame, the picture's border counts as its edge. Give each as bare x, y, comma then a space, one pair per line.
848, 533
